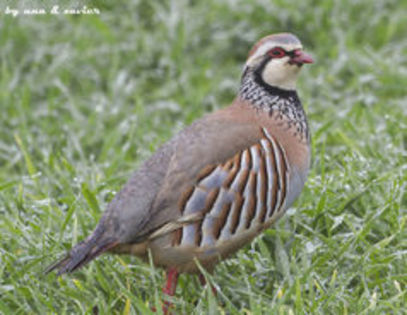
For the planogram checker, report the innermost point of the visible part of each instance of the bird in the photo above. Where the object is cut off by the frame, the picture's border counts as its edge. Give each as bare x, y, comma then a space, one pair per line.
219, 182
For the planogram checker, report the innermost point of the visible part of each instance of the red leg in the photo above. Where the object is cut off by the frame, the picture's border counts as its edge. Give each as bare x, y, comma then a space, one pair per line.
170, 287
202, 280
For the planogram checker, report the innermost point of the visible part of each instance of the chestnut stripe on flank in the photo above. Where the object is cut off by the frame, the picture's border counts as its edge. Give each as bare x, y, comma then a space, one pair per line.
276, 201
276, 184
198, 233
241, 190
177, 237
281, 178
263, 186
232, 175
237, 209
271, 176
206, 171
209, 203
244, 176
228, 165
251, 210
249, 204
210, 200
284, 177
239, 182
185, 197
250, 159
220, 223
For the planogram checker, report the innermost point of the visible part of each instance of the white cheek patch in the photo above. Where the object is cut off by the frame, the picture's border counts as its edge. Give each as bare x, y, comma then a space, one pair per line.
280, 73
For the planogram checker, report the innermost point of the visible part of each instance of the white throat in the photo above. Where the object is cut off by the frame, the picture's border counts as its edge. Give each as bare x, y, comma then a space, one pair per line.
281, 74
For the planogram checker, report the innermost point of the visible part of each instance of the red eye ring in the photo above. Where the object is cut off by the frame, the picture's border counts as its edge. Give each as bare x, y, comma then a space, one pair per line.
277, 52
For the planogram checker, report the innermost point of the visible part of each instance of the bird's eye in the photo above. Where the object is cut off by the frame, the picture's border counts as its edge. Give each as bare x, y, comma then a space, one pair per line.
277, 52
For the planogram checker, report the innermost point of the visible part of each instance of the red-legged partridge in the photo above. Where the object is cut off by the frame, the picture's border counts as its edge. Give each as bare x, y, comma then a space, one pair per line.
218, 183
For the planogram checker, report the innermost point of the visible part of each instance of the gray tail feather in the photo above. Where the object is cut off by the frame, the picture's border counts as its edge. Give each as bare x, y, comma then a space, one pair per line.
83, 252
80, 255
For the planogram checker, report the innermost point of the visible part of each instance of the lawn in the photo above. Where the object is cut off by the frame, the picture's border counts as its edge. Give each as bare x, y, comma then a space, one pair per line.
84, 99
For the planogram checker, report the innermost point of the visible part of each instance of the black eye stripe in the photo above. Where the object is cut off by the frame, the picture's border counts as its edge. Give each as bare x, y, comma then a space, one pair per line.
290, 53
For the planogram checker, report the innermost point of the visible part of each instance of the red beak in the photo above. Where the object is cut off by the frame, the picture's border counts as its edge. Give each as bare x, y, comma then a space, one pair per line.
301, 57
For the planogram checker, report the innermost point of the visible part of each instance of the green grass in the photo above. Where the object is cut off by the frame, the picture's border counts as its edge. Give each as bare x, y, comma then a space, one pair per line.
84, 100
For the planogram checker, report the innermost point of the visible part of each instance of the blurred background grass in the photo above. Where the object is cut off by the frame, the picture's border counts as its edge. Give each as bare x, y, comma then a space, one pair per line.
85, 99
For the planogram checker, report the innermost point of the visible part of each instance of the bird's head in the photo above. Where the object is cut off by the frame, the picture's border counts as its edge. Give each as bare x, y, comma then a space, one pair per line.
277, 59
